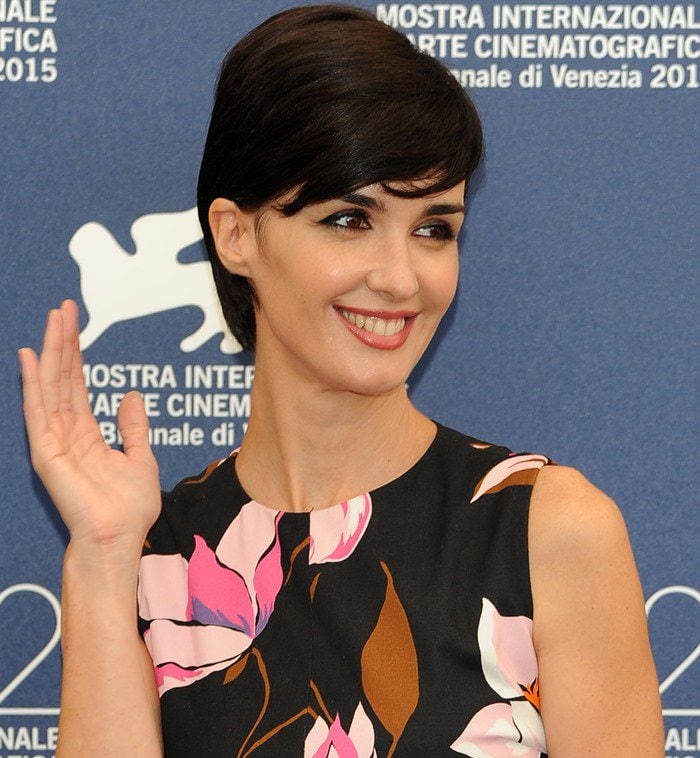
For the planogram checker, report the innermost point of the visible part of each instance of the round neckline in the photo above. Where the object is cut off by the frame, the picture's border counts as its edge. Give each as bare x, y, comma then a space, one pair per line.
392, 482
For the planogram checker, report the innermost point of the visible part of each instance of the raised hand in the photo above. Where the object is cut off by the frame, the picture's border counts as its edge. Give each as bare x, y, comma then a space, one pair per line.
106, 497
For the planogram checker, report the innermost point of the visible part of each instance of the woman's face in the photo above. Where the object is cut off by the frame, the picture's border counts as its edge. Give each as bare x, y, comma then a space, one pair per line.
350, 291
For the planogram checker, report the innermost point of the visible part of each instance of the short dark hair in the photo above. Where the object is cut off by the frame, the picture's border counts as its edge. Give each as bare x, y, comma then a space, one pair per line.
320, 101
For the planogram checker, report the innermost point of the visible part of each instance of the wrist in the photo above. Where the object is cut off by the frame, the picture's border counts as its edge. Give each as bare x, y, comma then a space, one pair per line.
117, 560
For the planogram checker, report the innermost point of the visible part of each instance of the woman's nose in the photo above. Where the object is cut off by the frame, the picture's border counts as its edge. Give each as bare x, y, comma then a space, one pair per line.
392, 272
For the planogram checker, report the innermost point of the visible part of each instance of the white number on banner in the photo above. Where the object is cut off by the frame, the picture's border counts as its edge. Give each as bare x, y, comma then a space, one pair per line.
34, 662
20, 69
690, 659
674, 76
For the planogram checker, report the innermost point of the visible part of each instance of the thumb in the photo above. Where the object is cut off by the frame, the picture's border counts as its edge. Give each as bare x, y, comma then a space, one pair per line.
133, 423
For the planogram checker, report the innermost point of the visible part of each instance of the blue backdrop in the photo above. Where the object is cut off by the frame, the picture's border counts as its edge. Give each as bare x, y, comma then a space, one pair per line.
574, 326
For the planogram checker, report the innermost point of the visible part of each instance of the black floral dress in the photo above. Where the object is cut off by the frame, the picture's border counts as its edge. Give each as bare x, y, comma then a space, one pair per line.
397, 623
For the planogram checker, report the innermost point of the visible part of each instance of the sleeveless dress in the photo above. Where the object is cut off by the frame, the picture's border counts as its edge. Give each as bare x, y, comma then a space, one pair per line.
397, 623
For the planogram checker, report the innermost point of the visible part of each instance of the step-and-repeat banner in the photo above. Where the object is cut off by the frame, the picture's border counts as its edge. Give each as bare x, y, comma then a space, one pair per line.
574, 329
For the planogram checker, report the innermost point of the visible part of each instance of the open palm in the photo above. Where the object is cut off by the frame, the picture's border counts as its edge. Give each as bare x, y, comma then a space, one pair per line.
105, 496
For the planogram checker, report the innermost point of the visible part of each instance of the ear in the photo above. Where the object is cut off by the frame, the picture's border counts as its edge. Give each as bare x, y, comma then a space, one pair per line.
233, 233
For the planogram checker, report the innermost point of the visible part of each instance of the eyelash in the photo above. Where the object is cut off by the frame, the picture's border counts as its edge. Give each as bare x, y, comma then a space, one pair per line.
445, 231
334, 219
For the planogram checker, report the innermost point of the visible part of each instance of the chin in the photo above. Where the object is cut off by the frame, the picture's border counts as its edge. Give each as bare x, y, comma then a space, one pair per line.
374, 384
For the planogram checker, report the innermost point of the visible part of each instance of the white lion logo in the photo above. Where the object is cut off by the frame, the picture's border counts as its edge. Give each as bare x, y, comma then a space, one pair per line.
116, 285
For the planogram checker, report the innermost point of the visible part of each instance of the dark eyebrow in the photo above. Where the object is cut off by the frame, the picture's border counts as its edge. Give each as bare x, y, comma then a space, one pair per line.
444, 209
364, 201
436, 209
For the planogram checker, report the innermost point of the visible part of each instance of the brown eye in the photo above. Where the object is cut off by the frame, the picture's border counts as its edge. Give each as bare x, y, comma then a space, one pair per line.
348, 220
436, 230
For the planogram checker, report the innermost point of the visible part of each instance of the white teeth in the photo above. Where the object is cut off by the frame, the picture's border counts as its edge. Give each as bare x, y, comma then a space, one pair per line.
380, 326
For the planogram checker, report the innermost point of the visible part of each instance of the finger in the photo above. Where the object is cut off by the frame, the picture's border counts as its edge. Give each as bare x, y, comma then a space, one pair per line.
67, 338
33, 399
79, 393
50, 361
133, 424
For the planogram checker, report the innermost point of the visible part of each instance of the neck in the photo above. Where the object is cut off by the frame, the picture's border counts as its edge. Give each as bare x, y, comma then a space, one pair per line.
307, 448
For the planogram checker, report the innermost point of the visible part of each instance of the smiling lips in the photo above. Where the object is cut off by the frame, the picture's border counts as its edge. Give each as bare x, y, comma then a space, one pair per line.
375, 324
385, 331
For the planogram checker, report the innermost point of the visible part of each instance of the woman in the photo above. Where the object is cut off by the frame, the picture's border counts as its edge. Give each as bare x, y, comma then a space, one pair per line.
355, 580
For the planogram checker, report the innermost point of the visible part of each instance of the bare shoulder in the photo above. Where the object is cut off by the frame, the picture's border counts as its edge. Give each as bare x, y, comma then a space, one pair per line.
599, 692
571, 518
579, 552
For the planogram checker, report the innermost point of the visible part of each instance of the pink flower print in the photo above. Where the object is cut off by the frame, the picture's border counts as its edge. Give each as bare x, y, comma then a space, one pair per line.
183, 654
217, 595
507, 652
516, 469
251, 547
503, 730
323, 741
495, 732
229, 594
162, 589
336, 531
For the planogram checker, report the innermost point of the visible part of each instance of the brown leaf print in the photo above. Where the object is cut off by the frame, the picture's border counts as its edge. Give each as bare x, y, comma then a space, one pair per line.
512, 471
390, 665
295, 554
254, 652
312, 588
235, 669
205, 474
525, 477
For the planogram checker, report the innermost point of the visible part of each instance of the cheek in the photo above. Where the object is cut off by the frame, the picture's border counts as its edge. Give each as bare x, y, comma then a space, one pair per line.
440, 284
322, 276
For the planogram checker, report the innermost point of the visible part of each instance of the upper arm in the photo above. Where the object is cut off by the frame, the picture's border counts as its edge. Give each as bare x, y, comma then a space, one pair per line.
598, 685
